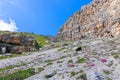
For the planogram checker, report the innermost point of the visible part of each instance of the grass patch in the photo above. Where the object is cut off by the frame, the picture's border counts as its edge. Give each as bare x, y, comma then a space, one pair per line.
81, 71
63, 57
81, 60
61, 49
3, 57
70, 61
108, 78
73, 73
6, 68
107, 72
20, 75
40, 69
49, 63
39, 38
82, 76
12, 56
115, 55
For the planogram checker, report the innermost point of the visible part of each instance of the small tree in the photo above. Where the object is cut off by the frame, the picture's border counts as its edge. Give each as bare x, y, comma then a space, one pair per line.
38, 45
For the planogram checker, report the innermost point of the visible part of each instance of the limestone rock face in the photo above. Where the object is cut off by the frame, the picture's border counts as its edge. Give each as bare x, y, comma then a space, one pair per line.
17, 43
101, 18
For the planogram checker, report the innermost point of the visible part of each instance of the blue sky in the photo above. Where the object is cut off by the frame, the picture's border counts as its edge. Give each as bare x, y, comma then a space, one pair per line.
38, 16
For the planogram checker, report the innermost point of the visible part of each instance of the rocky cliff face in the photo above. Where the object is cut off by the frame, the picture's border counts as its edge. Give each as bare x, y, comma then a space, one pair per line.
16, 43
101, 18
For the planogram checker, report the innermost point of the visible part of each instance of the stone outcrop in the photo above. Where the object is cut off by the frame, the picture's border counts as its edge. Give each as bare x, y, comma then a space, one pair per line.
16, 43
101, 18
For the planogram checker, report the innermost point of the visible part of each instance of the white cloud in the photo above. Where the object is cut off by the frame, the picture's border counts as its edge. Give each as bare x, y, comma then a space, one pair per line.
5, 26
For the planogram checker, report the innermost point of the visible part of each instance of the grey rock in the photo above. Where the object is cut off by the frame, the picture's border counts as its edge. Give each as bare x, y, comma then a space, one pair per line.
51, 74
93, 75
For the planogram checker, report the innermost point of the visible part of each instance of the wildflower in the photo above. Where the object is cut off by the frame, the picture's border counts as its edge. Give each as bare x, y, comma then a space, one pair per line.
91, 65
71, 65
103, 60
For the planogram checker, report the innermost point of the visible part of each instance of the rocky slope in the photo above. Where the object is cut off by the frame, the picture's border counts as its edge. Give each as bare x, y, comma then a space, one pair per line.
101, 18
96, 59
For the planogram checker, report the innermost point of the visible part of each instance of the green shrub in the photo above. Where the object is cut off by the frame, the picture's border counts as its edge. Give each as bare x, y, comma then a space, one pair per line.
13, 55
49, 63
73, 73
63, 57
41, 69
106, 72
83, 76
108, 78
38, 45
6, 68
81, 60
61, 49
70, 61
116, 56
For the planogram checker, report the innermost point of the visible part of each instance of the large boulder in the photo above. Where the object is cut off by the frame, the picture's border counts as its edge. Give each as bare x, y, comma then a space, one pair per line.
17, 39
17, 43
